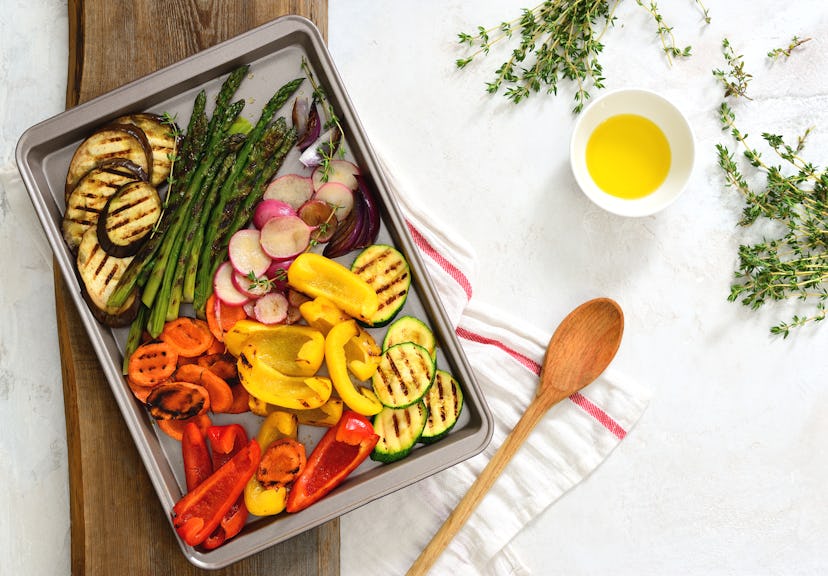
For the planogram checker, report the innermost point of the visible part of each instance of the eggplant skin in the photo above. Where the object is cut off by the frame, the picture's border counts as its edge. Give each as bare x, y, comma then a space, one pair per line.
89, 197
128, 218
111, 141
100, 273
162, 140
114, 317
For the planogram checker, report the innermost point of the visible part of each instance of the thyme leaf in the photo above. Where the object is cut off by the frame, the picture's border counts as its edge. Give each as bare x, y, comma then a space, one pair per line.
557, 40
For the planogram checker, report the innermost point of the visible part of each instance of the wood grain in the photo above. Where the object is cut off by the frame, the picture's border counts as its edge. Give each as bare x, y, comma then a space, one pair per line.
117, 523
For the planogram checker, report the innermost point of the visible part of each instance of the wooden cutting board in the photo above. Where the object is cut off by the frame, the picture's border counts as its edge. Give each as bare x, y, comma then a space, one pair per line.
117, 523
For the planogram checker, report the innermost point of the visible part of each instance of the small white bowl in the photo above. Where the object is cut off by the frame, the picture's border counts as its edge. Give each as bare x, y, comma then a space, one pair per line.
667, 117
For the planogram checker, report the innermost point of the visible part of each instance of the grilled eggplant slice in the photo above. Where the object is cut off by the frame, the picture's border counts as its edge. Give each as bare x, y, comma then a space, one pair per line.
128, 218
385, 269
162, 140
100, 273
89, 197
112, 141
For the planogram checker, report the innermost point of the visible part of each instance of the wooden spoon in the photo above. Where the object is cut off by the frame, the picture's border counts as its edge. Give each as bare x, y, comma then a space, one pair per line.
580, 349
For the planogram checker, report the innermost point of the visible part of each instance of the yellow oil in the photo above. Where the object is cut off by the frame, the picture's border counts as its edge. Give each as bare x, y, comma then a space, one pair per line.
628, 156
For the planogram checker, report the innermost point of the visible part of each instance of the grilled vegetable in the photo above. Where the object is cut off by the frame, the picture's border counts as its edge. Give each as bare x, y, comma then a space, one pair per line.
152, 363
444, 401
410, 329
405, 373
99, 273
128, 217
386, 271
398, 430
178, 401
162, 140
89, 197
111, 141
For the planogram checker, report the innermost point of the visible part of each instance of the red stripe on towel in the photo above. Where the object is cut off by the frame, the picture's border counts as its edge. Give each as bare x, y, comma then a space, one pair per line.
578, 399
522, 359
441, 260
601, 416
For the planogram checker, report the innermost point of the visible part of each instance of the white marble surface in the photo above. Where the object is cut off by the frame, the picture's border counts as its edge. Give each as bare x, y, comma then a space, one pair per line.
724, 474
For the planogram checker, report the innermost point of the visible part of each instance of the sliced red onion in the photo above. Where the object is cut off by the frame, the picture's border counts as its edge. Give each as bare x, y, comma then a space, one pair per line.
325, 146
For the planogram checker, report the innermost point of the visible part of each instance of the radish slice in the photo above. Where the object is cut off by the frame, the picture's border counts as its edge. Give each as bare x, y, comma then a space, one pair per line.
293, 189
250, 309
271, 308
246, 254
338, 170
252, 288
224, 289
285, 237
320, 216
338, 196
277, 273
270, 208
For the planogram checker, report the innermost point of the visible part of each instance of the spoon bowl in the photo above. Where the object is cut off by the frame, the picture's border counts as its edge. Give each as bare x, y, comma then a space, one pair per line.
581, 348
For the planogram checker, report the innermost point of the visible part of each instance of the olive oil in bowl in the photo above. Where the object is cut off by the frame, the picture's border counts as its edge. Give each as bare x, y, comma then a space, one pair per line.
632, 152
628, 156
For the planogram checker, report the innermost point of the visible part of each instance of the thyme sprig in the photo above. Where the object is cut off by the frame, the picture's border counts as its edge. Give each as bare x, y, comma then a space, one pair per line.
786, 51
665, 32
557, 40
734, 78
170, 121
793, 265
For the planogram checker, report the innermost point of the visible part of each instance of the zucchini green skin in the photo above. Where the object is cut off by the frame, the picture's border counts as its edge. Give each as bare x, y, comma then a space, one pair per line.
404, 375
386, 270
410, 329
444, 401
399, 429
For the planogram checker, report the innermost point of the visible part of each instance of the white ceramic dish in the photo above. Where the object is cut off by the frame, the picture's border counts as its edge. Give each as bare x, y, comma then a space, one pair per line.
671, 122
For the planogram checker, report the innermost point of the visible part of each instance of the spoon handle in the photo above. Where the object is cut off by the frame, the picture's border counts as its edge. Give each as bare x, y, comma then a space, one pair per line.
534, 412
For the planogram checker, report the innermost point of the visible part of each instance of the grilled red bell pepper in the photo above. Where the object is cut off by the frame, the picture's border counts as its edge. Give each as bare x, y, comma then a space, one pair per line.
226, 442
199, 512
342, 448
197, 463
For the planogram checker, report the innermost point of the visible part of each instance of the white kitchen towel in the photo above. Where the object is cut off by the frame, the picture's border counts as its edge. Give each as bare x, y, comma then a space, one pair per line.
386, 536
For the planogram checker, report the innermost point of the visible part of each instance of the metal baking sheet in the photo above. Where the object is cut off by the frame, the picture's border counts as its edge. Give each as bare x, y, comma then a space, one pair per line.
274, 52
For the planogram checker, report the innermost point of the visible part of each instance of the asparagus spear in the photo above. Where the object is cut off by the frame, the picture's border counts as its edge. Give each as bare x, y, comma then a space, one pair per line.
198, 207
194, 248
204, 277
171, 243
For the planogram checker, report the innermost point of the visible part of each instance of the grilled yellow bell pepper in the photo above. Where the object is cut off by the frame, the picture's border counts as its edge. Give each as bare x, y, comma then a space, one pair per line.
262, 372
316, 275
359, 399
290, 348
362, 354
259, 500
326, 415
322, 314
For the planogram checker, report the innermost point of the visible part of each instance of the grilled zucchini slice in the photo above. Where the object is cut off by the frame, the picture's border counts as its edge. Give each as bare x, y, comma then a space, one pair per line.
112, 141
89, 197
100, 273
128, 217
386, 270
405, 373
398, 429
410, 329
444, 401
160, 134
